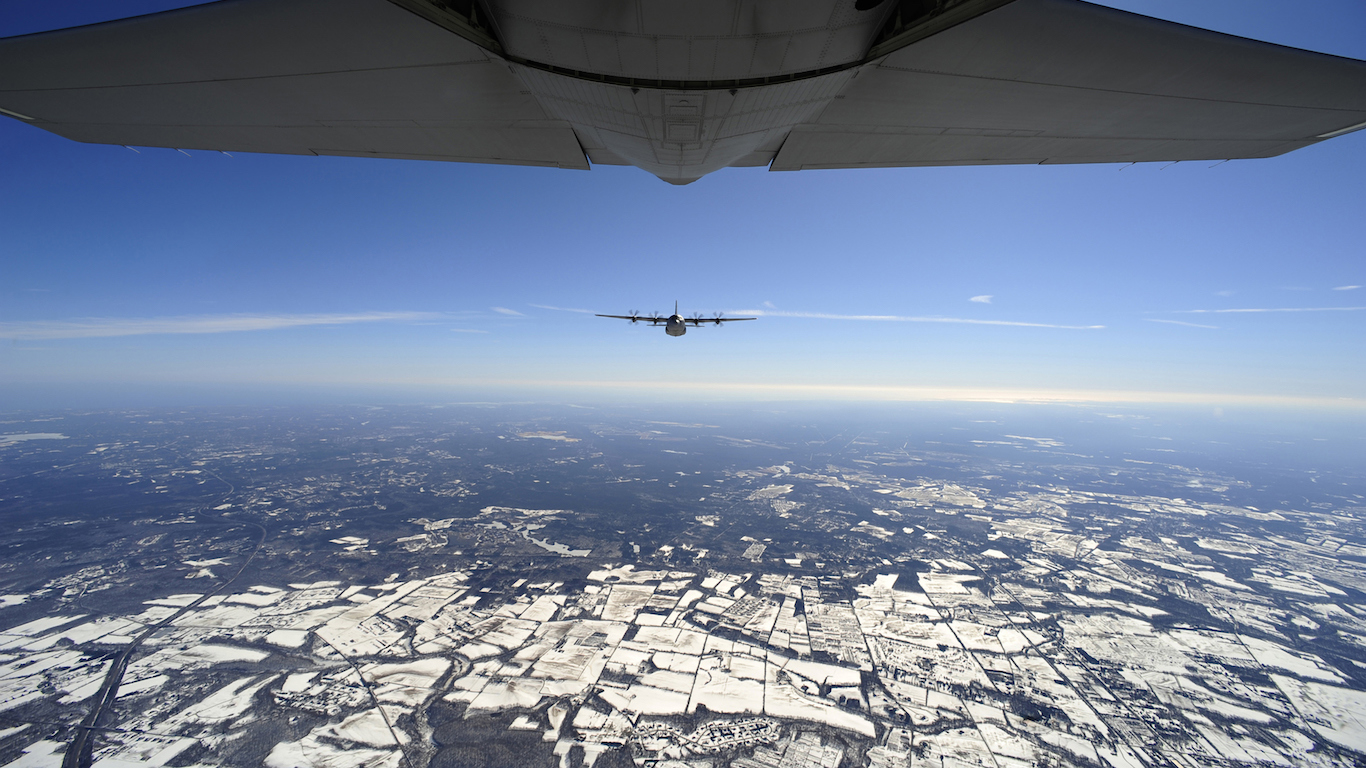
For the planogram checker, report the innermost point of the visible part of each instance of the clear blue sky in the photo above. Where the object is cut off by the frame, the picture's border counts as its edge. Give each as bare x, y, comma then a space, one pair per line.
328, 272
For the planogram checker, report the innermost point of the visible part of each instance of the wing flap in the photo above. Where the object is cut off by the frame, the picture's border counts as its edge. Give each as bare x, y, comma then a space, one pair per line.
346, 77
1064, 81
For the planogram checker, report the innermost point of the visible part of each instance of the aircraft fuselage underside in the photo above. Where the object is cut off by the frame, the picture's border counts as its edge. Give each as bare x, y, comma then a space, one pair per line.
682, 90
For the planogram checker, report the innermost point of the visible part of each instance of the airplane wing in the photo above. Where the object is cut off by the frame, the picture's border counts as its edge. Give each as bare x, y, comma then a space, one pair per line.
651, 319
966, 82
310, 77
1064, 81
700, 321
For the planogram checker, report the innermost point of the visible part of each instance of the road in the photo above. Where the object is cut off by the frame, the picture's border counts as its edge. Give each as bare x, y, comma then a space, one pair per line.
80, 752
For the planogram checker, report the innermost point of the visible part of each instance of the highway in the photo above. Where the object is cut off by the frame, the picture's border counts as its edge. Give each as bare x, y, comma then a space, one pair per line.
80, 752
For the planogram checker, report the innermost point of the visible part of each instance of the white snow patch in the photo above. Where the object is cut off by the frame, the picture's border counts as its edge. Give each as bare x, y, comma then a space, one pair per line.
1337, 714
288, 638
40, 754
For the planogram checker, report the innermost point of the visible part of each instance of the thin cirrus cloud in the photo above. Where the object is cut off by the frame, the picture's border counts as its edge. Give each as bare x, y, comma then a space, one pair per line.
106, 327
506, 311
1346, 287
913, 319
1260, 310
1180, 322
564, 309
984, 299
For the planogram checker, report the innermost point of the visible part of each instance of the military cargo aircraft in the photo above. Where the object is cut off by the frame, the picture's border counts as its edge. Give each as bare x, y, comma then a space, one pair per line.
676, 324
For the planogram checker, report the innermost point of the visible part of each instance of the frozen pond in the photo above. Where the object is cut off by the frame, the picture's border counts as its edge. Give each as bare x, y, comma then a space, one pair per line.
550, 546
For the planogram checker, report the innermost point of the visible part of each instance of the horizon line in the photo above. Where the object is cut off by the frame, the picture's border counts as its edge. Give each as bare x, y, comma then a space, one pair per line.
751, 391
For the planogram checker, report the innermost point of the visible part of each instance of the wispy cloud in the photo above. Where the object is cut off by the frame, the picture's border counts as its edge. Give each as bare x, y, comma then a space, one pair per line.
103, 327
985, 299
1180, 322
1346, 287
506, 311
912, 319
563, 309
467, 330
1258, 310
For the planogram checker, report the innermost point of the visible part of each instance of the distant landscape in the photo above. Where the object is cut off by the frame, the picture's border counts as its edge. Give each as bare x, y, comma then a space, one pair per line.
764, 586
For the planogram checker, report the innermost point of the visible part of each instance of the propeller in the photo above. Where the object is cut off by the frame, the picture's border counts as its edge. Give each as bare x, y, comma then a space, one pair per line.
717, 318
697, 319
635, 315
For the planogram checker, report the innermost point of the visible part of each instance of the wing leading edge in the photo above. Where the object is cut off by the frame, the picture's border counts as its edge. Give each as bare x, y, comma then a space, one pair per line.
651, 319
700, 321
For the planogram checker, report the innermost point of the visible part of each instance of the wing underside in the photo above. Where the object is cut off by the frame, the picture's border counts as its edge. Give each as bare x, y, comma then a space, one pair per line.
1064, 81
315, 77
1033, 81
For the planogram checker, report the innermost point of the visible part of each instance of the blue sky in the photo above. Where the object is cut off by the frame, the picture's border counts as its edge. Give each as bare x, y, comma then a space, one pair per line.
123, 269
